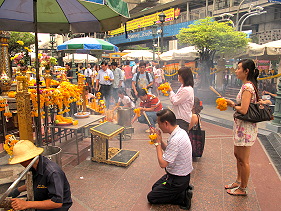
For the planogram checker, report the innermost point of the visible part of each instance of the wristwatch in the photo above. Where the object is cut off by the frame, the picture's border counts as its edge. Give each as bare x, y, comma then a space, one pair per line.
156, 144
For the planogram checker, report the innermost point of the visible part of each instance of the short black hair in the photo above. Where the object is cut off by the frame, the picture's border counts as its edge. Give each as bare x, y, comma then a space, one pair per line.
121, 92
142, 64
103, 63
142, 92
137, 60
114, 64
127, 62
187, 76
68, 64
167, 115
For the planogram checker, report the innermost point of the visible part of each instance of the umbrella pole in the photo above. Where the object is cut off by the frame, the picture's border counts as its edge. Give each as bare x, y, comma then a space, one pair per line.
38, 130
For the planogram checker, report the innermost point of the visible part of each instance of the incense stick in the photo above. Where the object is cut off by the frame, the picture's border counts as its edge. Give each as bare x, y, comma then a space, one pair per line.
215, 91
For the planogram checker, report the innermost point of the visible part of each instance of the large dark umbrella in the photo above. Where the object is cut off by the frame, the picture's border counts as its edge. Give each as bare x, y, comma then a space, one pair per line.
60, 16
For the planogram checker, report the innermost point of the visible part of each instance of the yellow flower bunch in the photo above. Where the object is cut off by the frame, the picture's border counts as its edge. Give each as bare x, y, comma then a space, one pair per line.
152, 138
106, 77
165, 88
10, 141
137, 112
98, 94
221, 104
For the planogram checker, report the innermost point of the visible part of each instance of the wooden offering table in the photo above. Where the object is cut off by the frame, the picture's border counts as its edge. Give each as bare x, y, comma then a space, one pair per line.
82, 124
100, 150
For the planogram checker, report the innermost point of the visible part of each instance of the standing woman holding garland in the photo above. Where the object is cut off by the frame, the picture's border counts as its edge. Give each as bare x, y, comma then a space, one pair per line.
245, 133
183, 99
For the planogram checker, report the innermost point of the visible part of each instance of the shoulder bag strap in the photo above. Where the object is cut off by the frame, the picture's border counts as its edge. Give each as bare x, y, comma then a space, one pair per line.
256, 91
199, 122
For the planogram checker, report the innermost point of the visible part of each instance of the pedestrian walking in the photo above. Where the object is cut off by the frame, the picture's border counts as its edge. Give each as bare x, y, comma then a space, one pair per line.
183, 99
88, 74
118, 80
245, 133
141, 80
104, 81
128, 77
176, 157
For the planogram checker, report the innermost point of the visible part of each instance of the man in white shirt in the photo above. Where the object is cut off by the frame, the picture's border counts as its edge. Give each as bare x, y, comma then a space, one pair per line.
135, 67
118, 80
176, 157
104, 79
88, 73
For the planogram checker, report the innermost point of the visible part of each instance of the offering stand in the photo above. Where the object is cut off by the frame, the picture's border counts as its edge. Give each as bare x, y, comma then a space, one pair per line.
100, 151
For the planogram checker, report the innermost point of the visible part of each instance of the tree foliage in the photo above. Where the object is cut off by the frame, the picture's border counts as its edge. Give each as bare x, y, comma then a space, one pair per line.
26, 37
212, 37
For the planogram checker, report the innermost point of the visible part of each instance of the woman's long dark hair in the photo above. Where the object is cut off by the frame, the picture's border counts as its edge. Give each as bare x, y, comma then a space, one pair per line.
253, 71
187, 76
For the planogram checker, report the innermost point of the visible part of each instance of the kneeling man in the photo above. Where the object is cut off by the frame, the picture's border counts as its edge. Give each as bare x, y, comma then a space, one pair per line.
176, 157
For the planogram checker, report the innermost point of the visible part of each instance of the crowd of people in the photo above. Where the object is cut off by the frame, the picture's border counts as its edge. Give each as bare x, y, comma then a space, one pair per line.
175, 155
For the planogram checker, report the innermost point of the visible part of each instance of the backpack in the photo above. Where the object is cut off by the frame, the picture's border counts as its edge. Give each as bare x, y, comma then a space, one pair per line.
147, 77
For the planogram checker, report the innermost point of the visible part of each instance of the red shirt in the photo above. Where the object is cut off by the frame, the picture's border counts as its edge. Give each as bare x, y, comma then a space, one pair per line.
151, 101
128, 72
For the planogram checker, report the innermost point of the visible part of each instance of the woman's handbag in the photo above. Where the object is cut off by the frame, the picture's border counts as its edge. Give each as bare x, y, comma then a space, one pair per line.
197, 139
257, 112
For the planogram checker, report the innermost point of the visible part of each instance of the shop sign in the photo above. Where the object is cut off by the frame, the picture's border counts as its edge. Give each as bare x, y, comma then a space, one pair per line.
145, 21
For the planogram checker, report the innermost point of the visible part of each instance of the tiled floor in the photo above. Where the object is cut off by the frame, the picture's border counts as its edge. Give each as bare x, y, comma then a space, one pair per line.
97, 186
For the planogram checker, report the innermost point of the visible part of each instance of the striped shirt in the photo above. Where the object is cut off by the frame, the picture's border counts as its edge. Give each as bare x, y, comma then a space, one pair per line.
178, 153
151, 101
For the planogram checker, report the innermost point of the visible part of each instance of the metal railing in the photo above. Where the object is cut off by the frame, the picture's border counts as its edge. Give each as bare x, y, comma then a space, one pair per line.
16, 182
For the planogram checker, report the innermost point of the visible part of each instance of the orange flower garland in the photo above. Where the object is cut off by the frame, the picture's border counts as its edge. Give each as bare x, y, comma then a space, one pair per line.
165, 88
106, 77
10, 141
137, 111
221, 104
152, 138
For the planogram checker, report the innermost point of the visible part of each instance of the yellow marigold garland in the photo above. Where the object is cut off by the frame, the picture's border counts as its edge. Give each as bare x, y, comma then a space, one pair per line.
10, 141
221, 104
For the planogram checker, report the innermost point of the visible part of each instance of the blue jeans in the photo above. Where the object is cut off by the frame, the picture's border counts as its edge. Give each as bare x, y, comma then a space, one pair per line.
151, 117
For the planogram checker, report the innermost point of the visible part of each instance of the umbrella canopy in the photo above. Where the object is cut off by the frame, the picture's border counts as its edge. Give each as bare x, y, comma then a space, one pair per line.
140, 54
87, 44
273, 48
254, 49
63, 16
167, 56
80, 58
187, 53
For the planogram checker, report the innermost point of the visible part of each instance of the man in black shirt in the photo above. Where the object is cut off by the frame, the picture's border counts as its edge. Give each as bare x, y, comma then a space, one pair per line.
50, 186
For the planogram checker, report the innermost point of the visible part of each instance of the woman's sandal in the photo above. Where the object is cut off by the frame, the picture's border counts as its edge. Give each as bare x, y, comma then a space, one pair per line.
232, 185
233, 191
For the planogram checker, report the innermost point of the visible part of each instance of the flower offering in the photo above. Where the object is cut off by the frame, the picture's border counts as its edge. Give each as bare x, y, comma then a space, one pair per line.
221, 104
152, 138
10, 141
137, 112
106, 77
165, 88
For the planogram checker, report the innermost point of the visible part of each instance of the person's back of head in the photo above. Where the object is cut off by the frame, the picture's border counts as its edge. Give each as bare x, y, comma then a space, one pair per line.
127, 62
197, 107
167, 115
137, 60
187, 76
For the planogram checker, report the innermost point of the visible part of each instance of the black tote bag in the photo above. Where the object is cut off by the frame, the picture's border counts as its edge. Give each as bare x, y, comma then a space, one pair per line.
257, 112
197, 139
